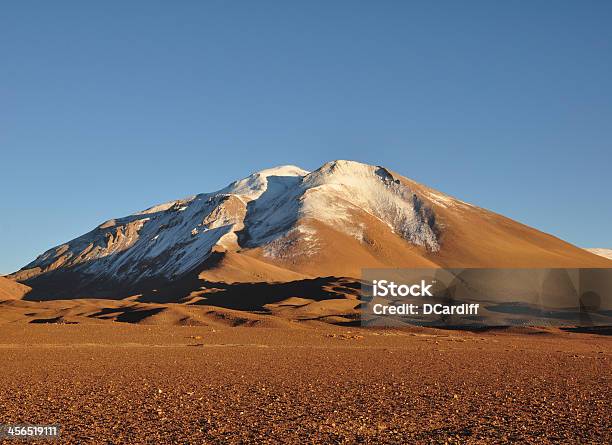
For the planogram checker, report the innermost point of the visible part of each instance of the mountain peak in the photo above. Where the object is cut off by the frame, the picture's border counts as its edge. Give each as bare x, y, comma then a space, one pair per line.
282, 170
346, 167
254, 185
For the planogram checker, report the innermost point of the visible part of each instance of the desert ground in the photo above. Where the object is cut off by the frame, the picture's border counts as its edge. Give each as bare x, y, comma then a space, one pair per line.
304, 382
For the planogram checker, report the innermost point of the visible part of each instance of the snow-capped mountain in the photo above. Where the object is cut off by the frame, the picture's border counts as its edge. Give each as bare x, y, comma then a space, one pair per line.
285, 223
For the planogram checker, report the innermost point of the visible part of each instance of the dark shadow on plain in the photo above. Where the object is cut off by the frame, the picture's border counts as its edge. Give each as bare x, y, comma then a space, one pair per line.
127, 314
599, 330
254, 296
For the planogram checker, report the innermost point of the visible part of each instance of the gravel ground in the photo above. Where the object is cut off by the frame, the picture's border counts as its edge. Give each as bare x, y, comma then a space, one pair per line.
133, 384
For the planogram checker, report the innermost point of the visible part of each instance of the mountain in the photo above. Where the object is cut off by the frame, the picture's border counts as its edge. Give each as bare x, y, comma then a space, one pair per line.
285, 224
606, 253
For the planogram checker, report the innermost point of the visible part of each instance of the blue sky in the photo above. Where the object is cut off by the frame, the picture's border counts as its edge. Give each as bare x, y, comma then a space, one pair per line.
109, 107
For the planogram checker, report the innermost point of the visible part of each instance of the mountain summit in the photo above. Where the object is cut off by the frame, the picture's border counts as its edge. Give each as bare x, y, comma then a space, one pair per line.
285, 223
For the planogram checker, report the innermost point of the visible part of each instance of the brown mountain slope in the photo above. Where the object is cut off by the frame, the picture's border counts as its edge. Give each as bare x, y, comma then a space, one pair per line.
476, 237
10, 289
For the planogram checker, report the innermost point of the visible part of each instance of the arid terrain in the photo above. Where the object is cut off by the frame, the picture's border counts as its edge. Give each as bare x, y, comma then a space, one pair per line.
129, 383
234, 317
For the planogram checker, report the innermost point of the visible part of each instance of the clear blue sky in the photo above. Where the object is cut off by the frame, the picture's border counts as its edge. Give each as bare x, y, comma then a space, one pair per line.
109, 107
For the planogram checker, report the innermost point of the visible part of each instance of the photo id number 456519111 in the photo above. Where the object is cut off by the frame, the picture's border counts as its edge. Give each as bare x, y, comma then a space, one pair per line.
24, 431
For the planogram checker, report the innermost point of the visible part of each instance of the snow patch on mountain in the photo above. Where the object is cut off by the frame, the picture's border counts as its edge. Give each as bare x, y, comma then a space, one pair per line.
339, 188
301, 238
606, 253
253, 186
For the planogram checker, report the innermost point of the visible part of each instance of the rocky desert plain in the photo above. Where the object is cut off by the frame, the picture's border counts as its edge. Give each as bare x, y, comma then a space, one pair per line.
305, 383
